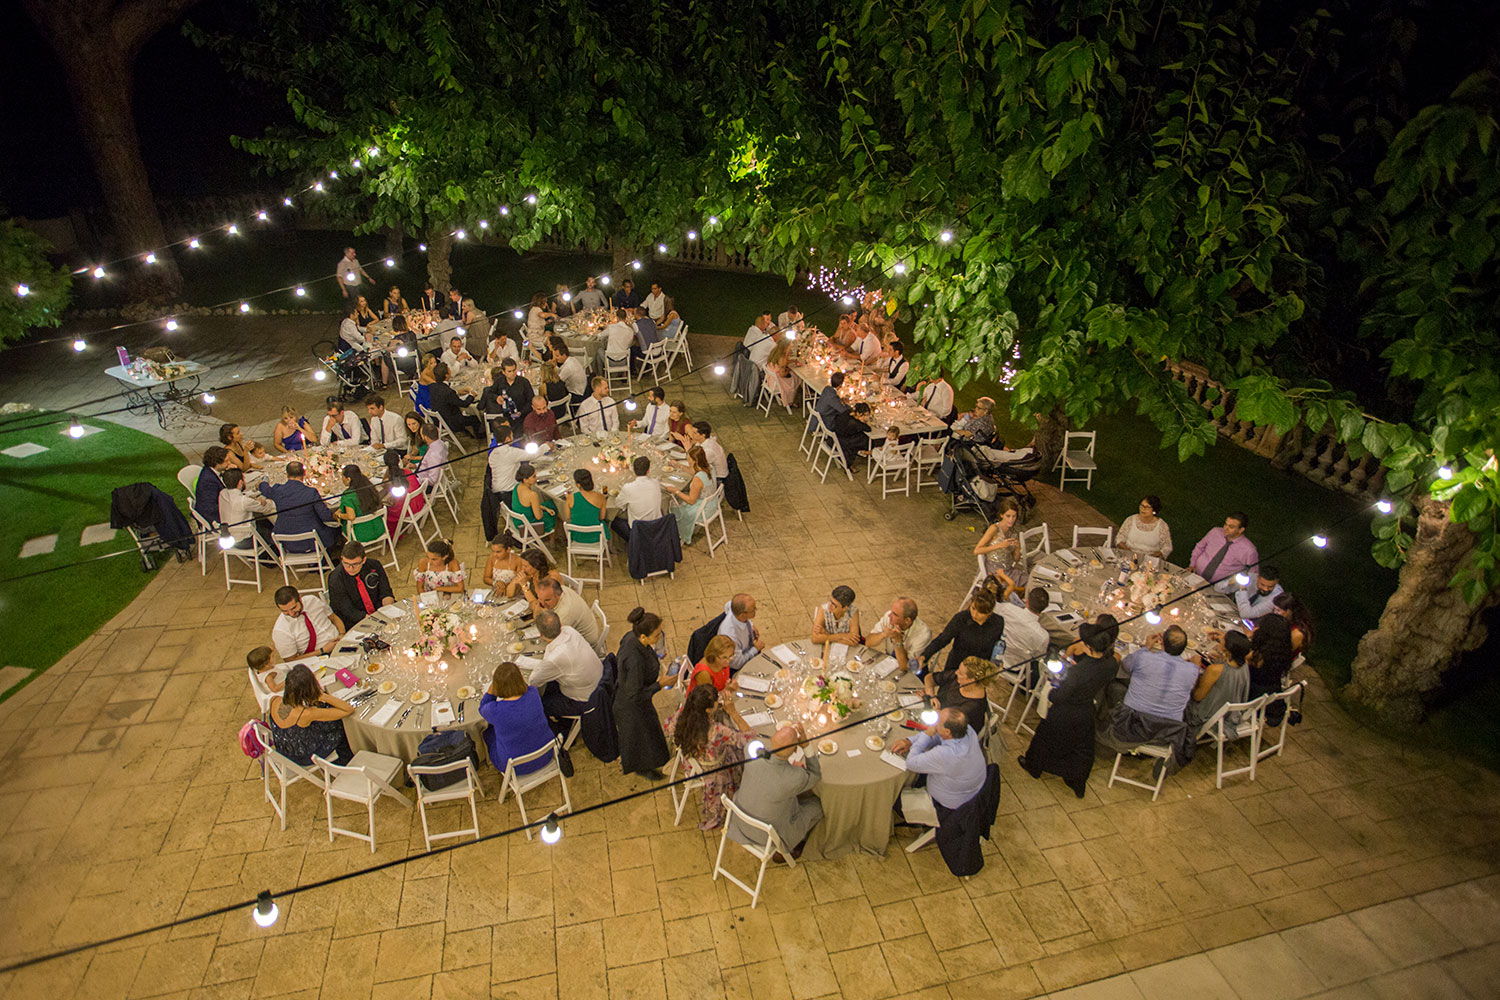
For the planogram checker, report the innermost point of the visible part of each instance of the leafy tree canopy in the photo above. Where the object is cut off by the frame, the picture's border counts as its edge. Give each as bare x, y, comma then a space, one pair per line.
24, 263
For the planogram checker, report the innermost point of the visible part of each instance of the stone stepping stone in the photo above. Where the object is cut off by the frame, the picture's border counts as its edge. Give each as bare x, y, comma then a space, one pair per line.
11, 676
38, 546
23, 450
96, 533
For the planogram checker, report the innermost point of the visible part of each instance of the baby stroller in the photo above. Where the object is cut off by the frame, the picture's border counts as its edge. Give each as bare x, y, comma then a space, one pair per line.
978, 477
348, 366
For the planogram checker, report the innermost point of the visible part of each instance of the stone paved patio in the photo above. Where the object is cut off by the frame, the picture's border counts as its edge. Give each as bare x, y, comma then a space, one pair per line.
124, 801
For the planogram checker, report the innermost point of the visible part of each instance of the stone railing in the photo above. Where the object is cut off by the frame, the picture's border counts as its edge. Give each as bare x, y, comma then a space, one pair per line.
1319, 456
694, 254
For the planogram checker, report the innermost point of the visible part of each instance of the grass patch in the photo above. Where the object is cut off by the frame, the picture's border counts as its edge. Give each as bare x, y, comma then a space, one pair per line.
63, 491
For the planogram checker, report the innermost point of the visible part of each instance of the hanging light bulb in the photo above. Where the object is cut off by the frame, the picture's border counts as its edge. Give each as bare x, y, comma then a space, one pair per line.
99, 272
80, 345
233, 229
390, 262
604, 279
351, 277
753, 749
244, 307
319, 375
713, 220
791, 335
333, 175
287, 202
460, 234
150, 258
23, 290
354, 163
1321, 541
75, 429
636, 264
929, 717
318, 186
630, 405
899, 267
484, 223
531, 199
265, 912
1054, 666
692, 234
422, 247
194, 244
504, 209
847, 300
171, 324
1383, 505
1242, 578
301, 291
718, 369
661, 248
398, 490
401, 351
551, 831
1444, 471
946, 236
226, 540
567, 296
373, 152
263, 215
518, 314
532, 448
209, 398
1153, 616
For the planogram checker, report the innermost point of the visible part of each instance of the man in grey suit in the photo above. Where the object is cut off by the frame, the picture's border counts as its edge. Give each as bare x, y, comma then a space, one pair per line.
778, 789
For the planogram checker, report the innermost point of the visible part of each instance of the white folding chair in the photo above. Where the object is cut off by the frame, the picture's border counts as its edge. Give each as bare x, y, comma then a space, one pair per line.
188, 477
1274, 749
1221, 730
892, 463
587, 542
203, 534
764, 852
466, 787
603, 620
1093, 536
1079, 460
1019, 678
928, 458
979, 579
656, 359
766, 397
991, 732
416, 519
562, 409
917, 809
445, 488
677, 348
1035, 542
523, 529
1152, 751
811, 431
247, 557
617, 371
519, 783
296, 562
350, 532
364, 779
286, 770
828, 447
692, 769
572, 583
712, 511
433, 416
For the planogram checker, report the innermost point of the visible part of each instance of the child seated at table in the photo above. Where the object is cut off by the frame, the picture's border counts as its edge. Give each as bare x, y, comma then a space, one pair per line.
888, 449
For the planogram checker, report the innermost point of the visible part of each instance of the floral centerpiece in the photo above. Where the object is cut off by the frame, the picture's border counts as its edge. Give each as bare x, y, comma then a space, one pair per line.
1147, 588
439, 630
836, 694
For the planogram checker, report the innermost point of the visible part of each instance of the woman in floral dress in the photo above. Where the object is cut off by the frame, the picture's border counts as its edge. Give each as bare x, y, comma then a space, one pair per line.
702, 738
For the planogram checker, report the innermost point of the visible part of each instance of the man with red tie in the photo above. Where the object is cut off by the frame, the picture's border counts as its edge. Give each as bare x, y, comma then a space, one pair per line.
358, 588
304, 627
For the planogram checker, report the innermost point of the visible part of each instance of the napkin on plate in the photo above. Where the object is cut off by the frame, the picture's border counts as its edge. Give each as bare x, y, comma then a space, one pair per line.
442, 713
756, 720
749, 682
1107, 552
429, 599
784, 654
512, 610
1046, 573
385, 712
391, 612
1069, 557
530, 633
894, 759
886, 666
1055, 597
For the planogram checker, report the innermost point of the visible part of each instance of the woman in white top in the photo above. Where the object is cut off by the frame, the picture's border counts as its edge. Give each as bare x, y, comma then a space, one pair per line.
440, 572
1145, 532
537, 317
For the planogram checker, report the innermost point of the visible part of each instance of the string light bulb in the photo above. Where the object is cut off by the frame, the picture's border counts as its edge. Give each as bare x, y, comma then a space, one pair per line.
287, 202
209, 398
265, 912
351, 277
1054, 666
354, 163
518, 314
504, 209
567, 296
718, 369
1242, 578
532, 448
713, 220
460, 234
318, 186
753, 749
1153, 616
194, 244
484, 223
401, 351
333, 175
1383, 505
99, 271
301, 291
226, 540
791, 334
899, 267
23, 290
1321, 541
398, 490
263, 215
661, 248
551, 831
692, 234
75, 429
422, 247
80, 345
171, 325
233, 229
929, 717
946, 236
531, 199
604, 279
319, 375
847, 300
151, 258
373, 152
244, 307
635, 264
390, 262
630, 405
1443, 472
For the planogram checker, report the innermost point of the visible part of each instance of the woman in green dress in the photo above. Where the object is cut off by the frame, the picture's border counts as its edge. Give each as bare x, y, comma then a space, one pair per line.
586, 504
360, 498
527, 501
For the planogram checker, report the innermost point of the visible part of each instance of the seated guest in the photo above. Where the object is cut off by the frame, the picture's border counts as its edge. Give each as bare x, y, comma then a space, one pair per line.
677, 424
1270, 661
387, 430
779, 374
896, 366
1259, 601
366, 314
517, 722
528, 502
708, 743
583, 506
1000, 546
597, 413
439, 573
394, 304
640, 499
1063, 743
569, 672
777, 788
457, 357
434, 460
476, 329
501, 347
790, 320
538, 567
503, 569
540, 424
233, 440
210, 483
450, 405
244, 513
538, 316
1299, 618
966, 689
416, 447
737, 625
701, 433
1026, 638
640, 674
829, 404
646, 334
352, 329
1224, 681
1144, 531
359, 587
1225, 552
901, 633
570, 370
869, 346
453, 306
653, 423
590, 298
655, 304
431, 301
360, 499
950, 755
549, 594
972, 632
714, 667
979, 424
304, 627
340, 424
1161, 682
292, 431
837, 620
936, 397
264, 681
853, 431
619, 338
421, 394
556, 392
760, 339
307, 722
627, 297
697, 499
504, 461
299, 509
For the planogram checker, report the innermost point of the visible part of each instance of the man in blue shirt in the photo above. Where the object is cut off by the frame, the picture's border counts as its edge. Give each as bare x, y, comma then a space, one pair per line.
737, 626
299, 509
965, 789
1161, 683
1260, 601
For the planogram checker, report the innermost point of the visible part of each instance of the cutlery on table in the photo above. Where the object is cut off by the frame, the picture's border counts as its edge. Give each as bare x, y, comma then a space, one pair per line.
403, 716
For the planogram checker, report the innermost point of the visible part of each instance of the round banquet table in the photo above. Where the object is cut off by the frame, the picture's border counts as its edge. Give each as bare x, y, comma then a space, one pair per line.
608, 457
496, 631
858, 788
1083, 583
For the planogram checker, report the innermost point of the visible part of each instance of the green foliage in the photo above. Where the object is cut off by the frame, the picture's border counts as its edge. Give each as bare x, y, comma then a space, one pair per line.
23, 261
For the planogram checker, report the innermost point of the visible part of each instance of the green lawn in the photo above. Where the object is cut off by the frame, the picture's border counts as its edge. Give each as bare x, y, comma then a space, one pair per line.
63, 491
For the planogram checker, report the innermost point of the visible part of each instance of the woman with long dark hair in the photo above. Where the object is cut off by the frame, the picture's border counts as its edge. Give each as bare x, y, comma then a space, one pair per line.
439, 571
706, 742
643, 745
1270, 661
360, 498
1299, 618
306, 721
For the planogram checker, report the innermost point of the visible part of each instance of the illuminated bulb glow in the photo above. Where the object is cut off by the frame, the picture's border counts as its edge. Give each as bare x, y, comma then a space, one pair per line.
319, 375
1054, 666
929, 717
80, 345
692, 234
567, 296
899, 267
661, 248
171, 324
422, 247
532, 448
354, 164
233, 229
484, 223
504, 209
226, 540
318, 186
287, 202
847, 300
630, 405
373, 152
460, 234
718, 369
75, 430
636, 264
1444, 471
151, 258
194, 243
1153, 616
1384, 506
23, 290
398, 490
99, 272
518, 314
390, 262
791, 335
262, 216
551, 832
265, 912
531, 199
604, 279
244, 307
946, 236
401, 351
1243, 579
713, 220
301, 290
753, 749
351, 277
209, 398
1321, 541
333, 175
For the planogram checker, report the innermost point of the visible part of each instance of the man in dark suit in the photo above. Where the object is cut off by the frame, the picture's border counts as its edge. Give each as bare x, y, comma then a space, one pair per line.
358, 588
449, 405
299, 509
210, 485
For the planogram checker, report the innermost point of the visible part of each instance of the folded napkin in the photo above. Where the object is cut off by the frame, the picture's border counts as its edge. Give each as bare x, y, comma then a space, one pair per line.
1107, 552
356, 634
886, 666
512, 610
750, 682
385, 712
1069, 557
853, 753
1055, 596
530, 632
785, 655
442, 713
894, 759
1046, 573
391, 612
909, 700
759, 720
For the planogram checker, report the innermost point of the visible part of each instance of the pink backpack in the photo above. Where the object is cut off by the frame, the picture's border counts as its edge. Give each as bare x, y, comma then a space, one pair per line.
250, 742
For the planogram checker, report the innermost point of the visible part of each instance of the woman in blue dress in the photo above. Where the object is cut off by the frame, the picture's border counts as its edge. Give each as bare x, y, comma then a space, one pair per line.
696, 496
518, 723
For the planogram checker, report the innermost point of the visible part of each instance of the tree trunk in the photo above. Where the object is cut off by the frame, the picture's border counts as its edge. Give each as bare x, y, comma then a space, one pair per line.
1051, 430
622, 253
439, 270
1426, 625
395, 242
99, 79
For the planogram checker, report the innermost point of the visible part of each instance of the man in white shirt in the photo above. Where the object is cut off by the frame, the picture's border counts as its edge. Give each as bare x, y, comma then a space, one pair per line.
936, 397
655, 304
590, 297
656, 421
570, 669
430, 469
790, 321
387, 430
304, 627
572, 610
640, 499
1026, 639
619, 337
237, 510
901, 633
760, 339
570, 370
870, 348
598, 412
351, 334
504, 461
702, 435
737, 624
340, 425
457, 356
350, 273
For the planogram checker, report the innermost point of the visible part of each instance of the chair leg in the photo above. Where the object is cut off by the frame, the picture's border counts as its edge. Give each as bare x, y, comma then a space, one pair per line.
371, 811
928, 836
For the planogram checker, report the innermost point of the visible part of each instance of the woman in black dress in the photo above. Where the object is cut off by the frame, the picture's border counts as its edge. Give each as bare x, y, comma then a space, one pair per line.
643, 745
972, 632
965, 689
1064, 741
